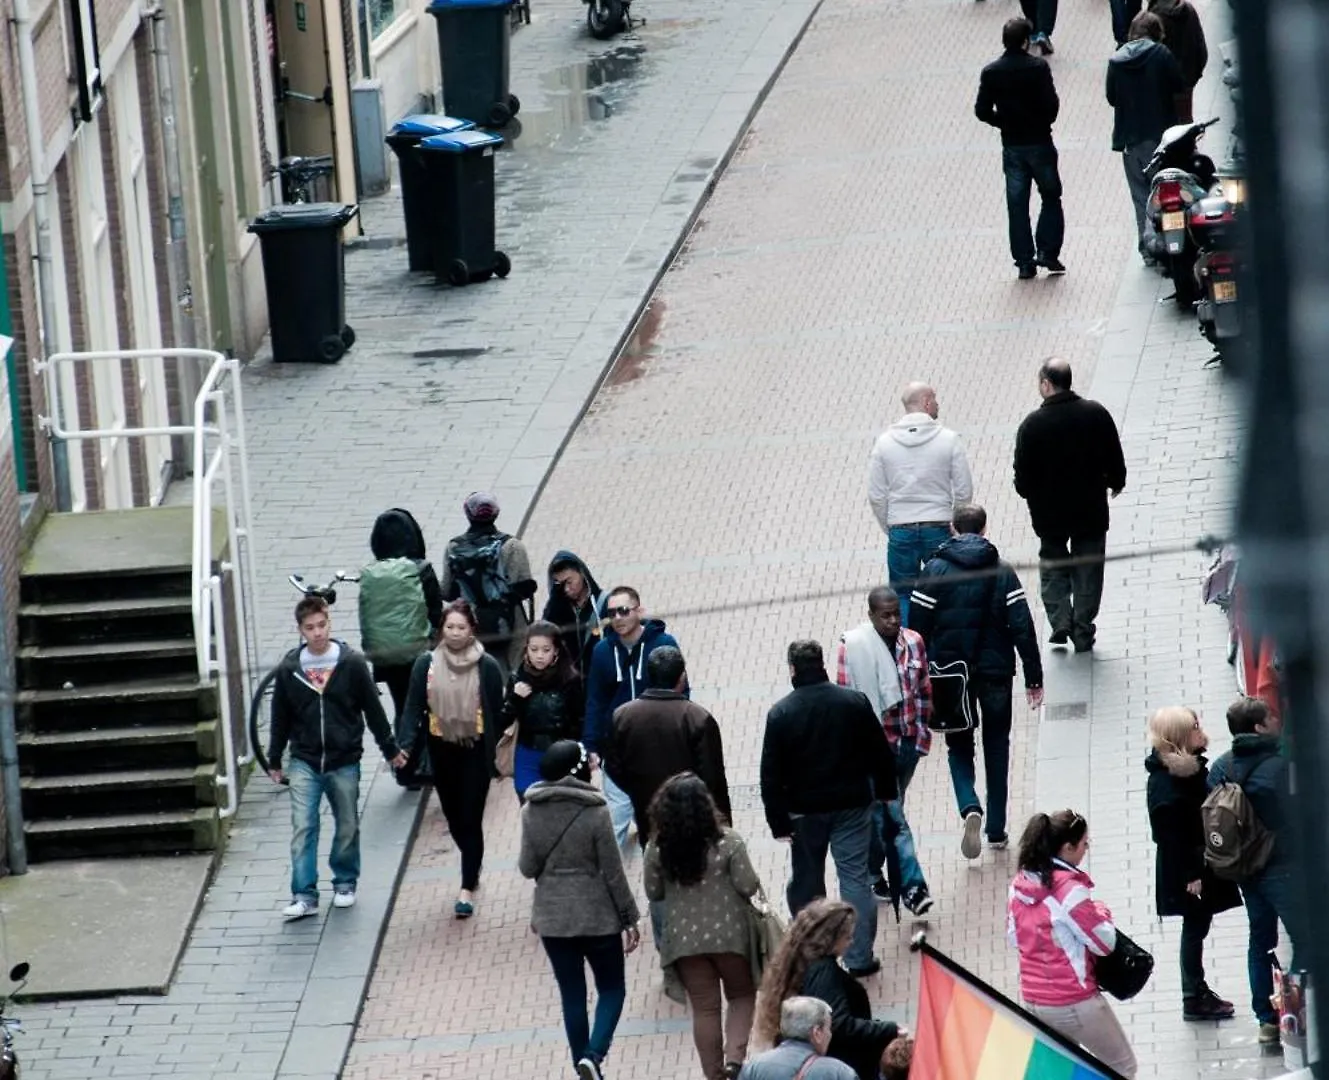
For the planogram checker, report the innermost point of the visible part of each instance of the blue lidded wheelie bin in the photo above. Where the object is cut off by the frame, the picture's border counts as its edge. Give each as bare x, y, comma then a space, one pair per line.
305, 272
460, 168
473, 46
404, 137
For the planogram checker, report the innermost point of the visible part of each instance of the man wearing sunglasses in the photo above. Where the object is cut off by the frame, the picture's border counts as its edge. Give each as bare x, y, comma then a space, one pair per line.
618, 675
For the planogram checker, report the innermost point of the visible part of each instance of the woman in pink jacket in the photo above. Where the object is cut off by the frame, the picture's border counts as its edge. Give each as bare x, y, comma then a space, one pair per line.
1060, 930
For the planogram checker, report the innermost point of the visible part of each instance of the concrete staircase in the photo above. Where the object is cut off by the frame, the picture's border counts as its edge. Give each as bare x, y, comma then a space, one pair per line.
118, 739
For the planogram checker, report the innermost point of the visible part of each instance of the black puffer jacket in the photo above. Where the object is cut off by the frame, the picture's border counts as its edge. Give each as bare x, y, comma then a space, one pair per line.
1177, 788
547, 715
983, 620
327, 730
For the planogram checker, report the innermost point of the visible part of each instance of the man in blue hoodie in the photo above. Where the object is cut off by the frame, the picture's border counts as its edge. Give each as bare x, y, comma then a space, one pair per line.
971, 606
617, 675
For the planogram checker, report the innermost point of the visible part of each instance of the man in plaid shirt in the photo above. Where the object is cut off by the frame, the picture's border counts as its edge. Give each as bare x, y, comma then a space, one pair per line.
888, 663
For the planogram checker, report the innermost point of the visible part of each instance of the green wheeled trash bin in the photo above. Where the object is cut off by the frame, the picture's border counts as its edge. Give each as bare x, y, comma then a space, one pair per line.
305, 272
460, 168
404, 137
474, 49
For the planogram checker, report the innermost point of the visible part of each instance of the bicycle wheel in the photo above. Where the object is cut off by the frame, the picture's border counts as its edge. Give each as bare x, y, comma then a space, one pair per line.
260, 719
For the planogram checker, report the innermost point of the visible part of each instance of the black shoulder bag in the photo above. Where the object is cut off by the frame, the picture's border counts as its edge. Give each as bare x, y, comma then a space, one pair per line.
952, 705
1125, 970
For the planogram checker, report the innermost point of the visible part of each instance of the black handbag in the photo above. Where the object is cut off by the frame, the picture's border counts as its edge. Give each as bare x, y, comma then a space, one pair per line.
953, 707
1125, 970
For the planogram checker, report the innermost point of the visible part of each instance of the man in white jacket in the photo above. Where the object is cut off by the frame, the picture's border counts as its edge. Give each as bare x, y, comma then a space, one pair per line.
917, 475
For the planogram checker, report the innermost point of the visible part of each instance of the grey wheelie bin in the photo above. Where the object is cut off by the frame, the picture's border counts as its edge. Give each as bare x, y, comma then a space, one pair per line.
474, 48
304, 267
404, 137
460, 168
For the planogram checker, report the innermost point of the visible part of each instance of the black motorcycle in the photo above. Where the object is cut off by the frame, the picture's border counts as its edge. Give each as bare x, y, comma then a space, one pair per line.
605, 18
1181, 177
1212, 223
10, 1024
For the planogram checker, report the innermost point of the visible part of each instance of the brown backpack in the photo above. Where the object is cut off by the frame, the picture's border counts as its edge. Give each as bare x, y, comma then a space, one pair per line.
1237, 846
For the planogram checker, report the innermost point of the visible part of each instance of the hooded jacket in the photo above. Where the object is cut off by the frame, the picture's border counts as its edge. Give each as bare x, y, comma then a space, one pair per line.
1177, 788
918, 472
1143, 79
568, 847
617, 675
581, 627
1068, 457
1183, 34
984, 620
327, 730
1256, 761
1059, 932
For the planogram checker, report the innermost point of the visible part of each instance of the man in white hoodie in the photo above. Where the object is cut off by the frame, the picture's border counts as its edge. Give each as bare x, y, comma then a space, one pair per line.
917, 475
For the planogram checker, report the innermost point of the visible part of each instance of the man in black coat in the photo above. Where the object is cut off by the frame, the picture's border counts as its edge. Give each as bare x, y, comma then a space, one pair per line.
972, 608
1068, 458
1016, 96
824, 762
1143, 81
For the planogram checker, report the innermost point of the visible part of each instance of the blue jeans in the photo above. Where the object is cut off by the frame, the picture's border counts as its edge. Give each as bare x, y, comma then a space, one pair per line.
848, 835
1026, 167
908, 547
911, 874
1269, 898
569, 957
620, 809
308, 787
993, 698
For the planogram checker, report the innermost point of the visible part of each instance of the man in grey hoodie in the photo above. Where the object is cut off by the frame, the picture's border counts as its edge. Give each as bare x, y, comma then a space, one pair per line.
917, 475
1143, 81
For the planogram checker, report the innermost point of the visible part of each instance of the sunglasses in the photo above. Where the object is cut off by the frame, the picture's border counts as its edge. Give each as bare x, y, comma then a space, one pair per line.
621, 612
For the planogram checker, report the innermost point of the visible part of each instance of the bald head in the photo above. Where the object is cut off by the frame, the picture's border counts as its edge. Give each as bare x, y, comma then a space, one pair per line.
1054, 376
919, 397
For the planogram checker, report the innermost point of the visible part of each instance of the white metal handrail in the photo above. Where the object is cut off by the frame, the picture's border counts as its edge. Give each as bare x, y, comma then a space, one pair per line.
214, 445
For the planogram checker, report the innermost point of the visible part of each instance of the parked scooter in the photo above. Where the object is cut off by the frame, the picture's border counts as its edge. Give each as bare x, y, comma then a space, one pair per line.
605, 18
1181, 177
1212, 222
10, 1024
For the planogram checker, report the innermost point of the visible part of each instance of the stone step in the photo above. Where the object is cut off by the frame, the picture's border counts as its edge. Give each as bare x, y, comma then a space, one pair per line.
160, 832
94, 621
94, 664
109, 749
118, 791
152, 702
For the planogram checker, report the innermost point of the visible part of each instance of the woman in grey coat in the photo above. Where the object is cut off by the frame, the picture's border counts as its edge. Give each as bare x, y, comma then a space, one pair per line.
584, 910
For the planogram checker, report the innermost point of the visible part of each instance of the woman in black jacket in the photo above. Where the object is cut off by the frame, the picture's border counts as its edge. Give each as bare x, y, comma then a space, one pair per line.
545, 700
808, 965
1184, 885
456, 696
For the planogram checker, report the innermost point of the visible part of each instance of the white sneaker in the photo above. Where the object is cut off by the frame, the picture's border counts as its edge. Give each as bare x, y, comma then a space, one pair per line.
589, 1069
344, 898
971, 846
299, 908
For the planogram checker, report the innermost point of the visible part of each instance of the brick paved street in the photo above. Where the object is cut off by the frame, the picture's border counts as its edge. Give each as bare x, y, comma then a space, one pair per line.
858, 241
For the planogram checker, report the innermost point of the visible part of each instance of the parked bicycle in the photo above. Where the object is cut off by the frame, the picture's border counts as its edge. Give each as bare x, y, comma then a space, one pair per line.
10, 1024
260, 708
301, 175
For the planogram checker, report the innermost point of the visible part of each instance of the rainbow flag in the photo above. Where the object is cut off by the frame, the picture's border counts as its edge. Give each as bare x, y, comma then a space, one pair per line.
968, 1031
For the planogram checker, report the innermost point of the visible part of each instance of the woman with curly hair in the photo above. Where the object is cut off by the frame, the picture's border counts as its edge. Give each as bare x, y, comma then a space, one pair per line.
698, 868
456, 695
808, 965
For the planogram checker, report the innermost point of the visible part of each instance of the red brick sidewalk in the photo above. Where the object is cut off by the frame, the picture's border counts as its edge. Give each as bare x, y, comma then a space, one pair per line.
857, 242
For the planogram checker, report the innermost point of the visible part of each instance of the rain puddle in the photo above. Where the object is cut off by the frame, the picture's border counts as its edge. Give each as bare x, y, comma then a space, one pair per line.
577, 94
641, 346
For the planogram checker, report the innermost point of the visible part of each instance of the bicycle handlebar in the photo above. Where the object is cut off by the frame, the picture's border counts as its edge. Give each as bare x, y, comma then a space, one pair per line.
328, 592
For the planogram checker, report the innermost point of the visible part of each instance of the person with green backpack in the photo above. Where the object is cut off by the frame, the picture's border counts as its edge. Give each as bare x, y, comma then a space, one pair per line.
1247, 821
400, 607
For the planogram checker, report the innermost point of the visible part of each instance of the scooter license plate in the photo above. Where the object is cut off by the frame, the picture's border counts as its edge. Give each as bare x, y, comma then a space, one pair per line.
1174, 220
1225, 292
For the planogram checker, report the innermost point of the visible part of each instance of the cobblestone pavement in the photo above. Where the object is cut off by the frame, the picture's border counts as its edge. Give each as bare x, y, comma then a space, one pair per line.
446, 391
856, 242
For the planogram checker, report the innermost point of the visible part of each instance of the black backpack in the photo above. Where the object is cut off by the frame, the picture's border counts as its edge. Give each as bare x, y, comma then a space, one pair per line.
476, 565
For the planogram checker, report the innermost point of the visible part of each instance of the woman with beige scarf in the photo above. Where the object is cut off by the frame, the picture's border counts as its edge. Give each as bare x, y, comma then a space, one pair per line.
456, 694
